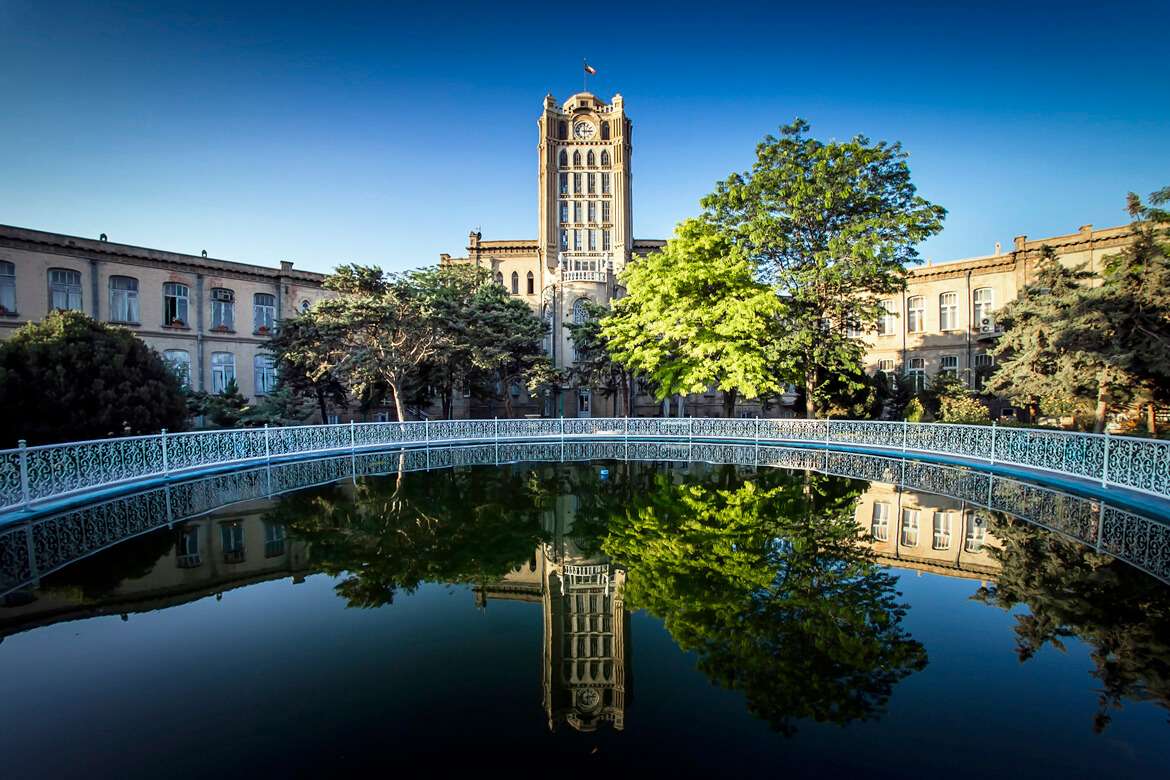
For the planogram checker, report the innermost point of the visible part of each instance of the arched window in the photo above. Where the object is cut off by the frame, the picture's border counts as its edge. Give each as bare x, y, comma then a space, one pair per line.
531, 284
984, 303
7, 287
223, 371
179, 361
564, 159
123, 299
563, 130
176, 298
515, 283
605, 131
590, 160
64, 289
263, 312
577, 157
500, 278
580, 313
948, 311
915, 314
265, 374
305, 306
604, 158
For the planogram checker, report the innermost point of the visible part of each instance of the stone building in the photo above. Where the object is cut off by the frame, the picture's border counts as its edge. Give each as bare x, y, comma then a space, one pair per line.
208, 317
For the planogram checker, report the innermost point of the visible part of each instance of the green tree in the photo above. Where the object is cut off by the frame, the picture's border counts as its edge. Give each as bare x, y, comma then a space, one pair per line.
593, 363
507, 344
695, 316
302, 362
280, 407
832, 225
69, 378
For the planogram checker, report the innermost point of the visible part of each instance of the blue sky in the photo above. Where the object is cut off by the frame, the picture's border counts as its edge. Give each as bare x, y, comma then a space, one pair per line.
364, 132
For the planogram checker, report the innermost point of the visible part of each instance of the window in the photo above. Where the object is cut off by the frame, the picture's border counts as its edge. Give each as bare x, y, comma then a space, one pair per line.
948, 311
564, 239
263, 312
592, 240
592, 210
273, 539
64, 289
584, 402
564, 184
563, 130
577, 158
604, 135
976, 533
264, 374
564, 211
500, 278
983, 360
563, 160
949, 364
531, 284
7, 287
580, 313
187, 548
886, 366
605, 184
576, 184
305, 306
590, 160
223, 315
852, 330
180, 362
175, 299
231, 538
576, 211
592, 183
577, 240
604, 158
880, 527
223, 371
605, 211
916, 373
915, 314
123, 299
885, 326
910, 527
942, 531
515, 283
984, 299
605, 242
333, 419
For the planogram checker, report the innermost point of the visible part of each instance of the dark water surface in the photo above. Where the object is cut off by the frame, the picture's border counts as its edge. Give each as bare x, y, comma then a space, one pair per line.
677, 617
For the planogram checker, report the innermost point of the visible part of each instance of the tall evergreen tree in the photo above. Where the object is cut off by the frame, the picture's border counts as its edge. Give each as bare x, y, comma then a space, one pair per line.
593, 365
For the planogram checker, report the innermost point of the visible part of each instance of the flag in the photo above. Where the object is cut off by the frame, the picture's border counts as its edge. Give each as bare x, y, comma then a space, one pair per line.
592, 71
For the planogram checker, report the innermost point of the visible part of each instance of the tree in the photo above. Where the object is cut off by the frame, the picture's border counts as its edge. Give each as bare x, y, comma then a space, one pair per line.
593, 365
70, 378
695, 316
280, 407
832, 225
507, 343
302, 362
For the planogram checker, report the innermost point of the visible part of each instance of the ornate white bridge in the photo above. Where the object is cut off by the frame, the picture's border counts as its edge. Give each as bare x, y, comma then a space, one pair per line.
31, 477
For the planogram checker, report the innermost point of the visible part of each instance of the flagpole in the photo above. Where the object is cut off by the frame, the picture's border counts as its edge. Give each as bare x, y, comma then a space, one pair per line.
584, 75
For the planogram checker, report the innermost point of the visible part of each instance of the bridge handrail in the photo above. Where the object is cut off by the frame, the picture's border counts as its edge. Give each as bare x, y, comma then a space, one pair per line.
34, 475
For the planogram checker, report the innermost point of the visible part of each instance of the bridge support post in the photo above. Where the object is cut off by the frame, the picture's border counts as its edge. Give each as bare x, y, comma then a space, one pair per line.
992, 456
166, 461
1105, 462
25, 493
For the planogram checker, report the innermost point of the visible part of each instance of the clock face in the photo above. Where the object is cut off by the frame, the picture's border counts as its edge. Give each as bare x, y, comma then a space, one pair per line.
583, 130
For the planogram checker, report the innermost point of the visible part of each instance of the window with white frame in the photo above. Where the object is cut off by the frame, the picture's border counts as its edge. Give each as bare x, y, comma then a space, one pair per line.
333, 419
604, 157
916, 374
605, 211
576, 184
176, 299
942, 531
852, 330
592, 240
274, 537
123, 299
223, 314
577, 240
592, 179
885, 324
564, 239
223, 371
976, 533
7, 287
231, 540
984, 303
606, 241
584, 401
915, 314
531, 284
949, 365
880, 527
263, 312
590, 159
580, 312
264, 368
948, 311
564, 209
64, 289
179, 361
605, 184
886, 366
577, 158
187, 548
910, 527
563, 183
515, 283
592, 217
983, 363
563, 159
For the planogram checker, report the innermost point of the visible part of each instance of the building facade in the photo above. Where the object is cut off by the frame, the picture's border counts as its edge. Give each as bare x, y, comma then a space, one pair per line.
208, 317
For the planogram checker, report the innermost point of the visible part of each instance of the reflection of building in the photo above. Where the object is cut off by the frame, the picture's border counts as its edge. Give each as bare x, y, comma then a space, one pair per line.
926, 532
583, 675
205, 556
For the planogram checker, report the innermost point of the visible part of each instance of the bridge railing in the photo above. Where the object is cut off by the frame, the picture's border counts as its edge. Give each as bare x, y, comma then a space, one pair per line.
34, 475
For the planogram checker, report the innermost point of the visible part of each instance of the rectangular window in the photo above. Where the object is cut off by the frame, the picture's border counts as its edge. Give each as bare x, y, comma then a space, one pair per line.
576, 211
223, 371
976, 533
263, 312
852, 330
949, 364
910, 527
605, 184
592, 183
592, 211
886, 365
333, 419
123, 299
606, 242
942, 531
983, 360
564, 184
948, 311
564, 211
64, 289
915, 314
584, 402
576, 184
274, 536
984, 302
916, 374
592, 240
605, 211
180, 362
7, 287
187, 548
885, 325
265, 374
175, 299
577, 240
223, 315
564, 239
231, 538
880, 527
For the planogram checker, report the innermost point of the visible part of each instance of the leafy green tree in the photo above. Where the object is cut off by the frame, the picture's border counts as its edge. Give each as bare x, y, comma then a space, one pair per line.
70, 378
593, 364
280, 407
695, 316
507, 344
302, 362
225, 409
832, 225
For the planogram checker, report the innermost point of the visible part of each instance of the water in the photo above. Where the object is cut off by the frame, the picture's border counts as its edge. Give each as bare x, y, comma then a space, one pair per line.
669, 616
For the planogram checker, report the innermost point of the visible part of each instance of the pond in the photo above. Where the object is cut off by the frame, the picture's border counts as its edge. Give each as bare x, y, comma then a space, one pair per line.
653, 612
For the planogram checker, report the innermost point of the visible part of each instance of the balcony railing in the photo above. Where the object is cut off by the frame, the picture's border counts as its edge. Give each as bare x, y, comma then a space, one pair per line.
35, 476
584, 276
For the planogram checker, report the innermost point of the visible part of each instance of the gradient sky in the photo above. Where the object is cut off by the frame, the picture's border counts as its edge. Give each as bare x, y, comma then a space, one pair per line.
342, 132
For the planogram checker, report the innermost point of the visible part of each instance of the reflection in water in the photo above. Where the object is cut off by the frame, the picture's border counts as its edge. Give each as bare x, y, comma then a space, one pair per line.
777, 579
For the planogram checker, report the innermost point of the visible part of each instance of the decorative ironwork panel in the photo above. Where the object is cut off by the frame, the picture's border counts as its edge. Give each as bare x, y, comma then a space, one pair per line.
794, 430
1140, 463
15, 566
11, 493
206, 448
1137, 540
516, 429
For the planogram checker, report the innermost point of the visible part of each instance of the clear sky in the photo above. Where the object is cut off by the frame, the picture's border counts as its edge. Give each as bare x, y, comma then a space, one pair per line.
340, 132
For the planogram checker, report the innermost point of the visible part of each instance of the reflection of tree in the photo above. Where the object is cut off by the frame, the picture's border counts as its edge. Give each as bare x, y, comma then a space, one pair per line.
384, 534
1071, 591
99, 575
768, 582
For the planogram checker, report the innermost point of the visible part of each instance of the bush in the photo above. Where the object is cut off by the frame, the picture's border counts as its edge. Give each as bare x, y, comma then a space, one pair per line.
70, 378
915, 411
965, 408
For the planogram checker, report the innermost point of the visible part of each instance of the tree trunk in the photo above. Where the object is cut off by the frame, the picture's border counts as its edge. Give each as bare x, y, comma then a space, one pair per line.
626, 395
1102, 408
810, 384
448, 394
323, 406
1151, 419
397, 402
729, 402
507, 395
